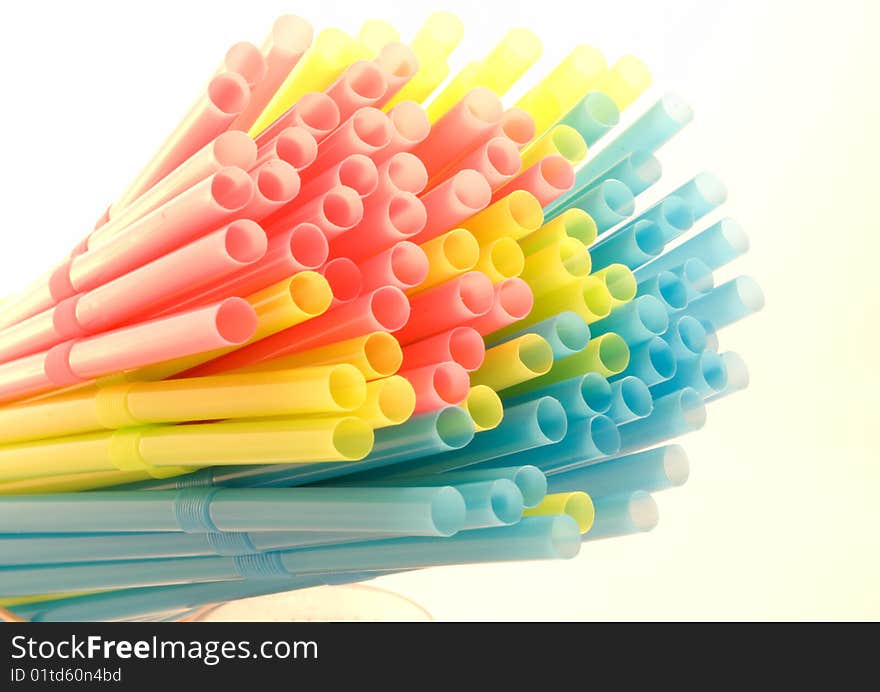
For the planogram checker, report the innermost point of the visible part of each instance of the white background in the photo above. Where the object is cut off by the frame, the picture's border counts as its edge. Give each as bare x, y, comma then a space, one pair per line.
779, 519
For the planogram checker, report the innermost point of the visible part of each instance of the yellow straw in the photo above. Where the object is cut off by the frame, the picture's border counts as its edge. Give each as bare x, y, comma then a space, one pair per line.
509, 60
454, 91
589, 298
484, 407
541, 103
562, 140
628, 79
375, 34
620, 282
501, 259
576, 76
514, 361
453, 253
577, 505
389, 401
561, 263
514, 215
573, 223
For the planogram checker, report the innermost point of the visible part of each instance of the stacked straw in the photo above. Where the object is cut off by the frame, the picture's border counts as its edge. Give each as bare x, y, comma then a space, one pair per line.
328, 333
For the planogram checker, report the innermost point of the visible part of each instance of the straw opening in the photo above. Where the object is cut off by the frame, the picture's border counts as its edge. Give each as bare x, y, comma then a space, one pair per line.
636, 396
309, 292
235, 148
518, 126
344, 277
471, 190
532, 483
383, 353
410, 121
406, 213
342, 207
565, 537
550, 419
711, 189
620, 282
454, 427
399, 60
347, 385
597, 297
569, 144
676, 466
372, 127
580, 225
483, 104
229, 93
613, 352
605, 435
245, 59
672, 290
617, 197
318, 112
353, 438
571, 331
292, 32
277, 181
749, 293
409, 264
579, 507
677, 213
661, 358
245, 241
297, 147
643, 511
447, 511
485, 407
308, 246
232, 188
451, 383
574, 257
646, 167
737, 372
515, 298
475, 293
602, 109
506, 501
503, 156
557, 172
713, 370
467, 347
735, 235
596, 392
535, 354
676, 108
506, 257
366, 80
692, 334
460, 249
407, 173
390, 308
359, 173
397, 400
235, 320
693, 408
525, 210
648, 238
652, 314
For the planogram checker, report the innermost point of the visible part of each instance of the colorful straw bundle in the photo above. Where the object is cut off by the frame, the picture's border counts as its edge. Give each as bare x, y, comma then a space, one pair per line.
328, 333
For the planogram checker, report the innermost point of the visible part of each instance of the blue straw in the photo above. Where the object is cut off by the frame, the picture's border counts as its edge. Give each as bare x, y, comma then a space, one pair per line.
696, 276
592, 116
609, 203
637, 243
719, 244
703, 194
583, 396
566, 332
636, 322
674, 414
622, 514
686, 337
728, 303
631, 399
652, 470
530, 480
671, 214
651, 361
737, 376
668, 288
706, 373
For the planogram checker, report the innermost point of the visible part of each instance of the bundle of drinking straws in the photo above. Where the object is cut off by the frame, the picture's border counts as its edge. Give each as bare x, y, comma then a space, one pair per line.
329, 333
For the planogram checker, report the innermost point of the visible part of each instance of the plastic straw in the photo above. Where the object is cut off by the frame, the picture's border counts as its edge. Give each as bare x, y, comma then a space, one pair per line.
563, 262
729, 302
345, 279
498, 161
609, 203
400, 64
652, 361
696, 276
450, 203
623, 514
577, 74
577, 505
374, 34
567, 333
638, 321
515, 215
512, 301
484, 407
362, 84
686, 337
276, 184
560, 140
449, 255
293, 145
619, 281
356, 171
501, 259
627, 79
401, 216
635, 245
703, 193
546, 179
438, 385
630, 400
589, 298
514, 361
401, 172
517, 126
674, 414
389, 401
572, 223
716, 246
530, 480
583, 396
461, 345
543, 106
705, 373
593, 116
403, 265
440, 34
668, 288
737, 375
246, 60
316, 113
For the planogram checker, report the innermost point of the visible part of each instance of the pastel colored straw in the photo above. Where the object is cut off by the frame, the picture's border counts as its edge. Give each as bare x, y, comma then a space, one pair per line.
375, 33
401, 216
462, 345
515, 215
717, 245
399, 172
437, 385
630, 400
686, 337
583, 396
546, 179
512, 300
623, 514
638, 321
276, 183
514, 361
367, 131
409, 127
517, 126
530, 480
460, 197
404, 265
572, 223
567, 333
638, 243
449, 255
294, 145
705, 373
620, 282
674, 414
542, 106
389, 401
574, 77
652, 361
593, 116
729, 302
498, 160
589, 298
625, 81
484, 407
668, 288
563, 262
357, 172
737, 376
696, 276
316, 113
609, 203
652, 470
576, 504
362, 84
400, 64
501, 259
703, 193
344, 278
561, 140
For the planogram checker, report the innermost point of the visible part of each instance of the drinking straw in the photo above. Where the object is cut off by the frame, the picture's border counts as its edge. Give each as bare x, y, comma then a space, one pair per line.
667, 288
461, 129
620, 282
636, 244
609, 203
332, 51
132, 295
375, 33
638, 321
717, 245
593, 116
572, 223
227, 149
484, 407
334, 212
705, 373
509, 60
674, 414
315, 112
703, 193
622, 514
652, 470
376, 355
367, 131
560, 140
362, 84
294, 145
246, 60
223, 324
389, 401
547, 179
530, 425
542, 106
491, 503
356, 171
458, 198
686, 337
577, 505
498, 160
586, 440
318, 389
282, 49
461, 345
70, 483
409, 127
447, 305
514, 361
530, 480
400, 172
512, 301
647, 133
400, 64
567, 333
501, 259
384, 309
401, 216
630, 400
672, 214
168, 449
438, 385
575, 76
652, 361
737, 375
583, 396
226, 96
589, 298
517, 126
627, 79
403, 265
562, 262
448, 255
345, 279
729, 302
696, 276
515, 215
276, 183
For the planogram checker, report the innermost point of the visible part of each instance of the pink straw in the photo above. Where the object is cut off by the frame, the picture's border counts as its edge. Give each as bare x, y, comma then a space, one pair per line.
438, 385
513, 301
334, 212
316, 112
409, 127
384, 310
518, 126
463, 128
400, 65
498, 161
345, 279
294, 145
447, 305
462, 345
356, 171
226, 96
400, 217
289, 39
246, 60
453, 201
140, 292
275, 184
362, 84
403, 265
229, 323
365, 132
548, 179
402, 172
